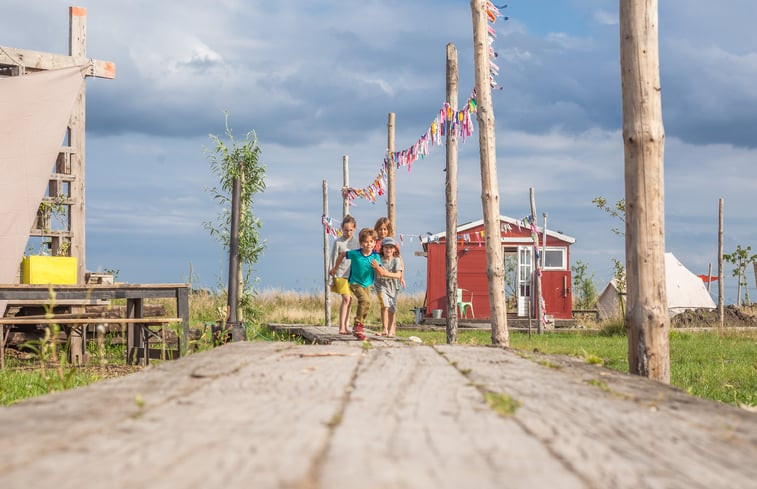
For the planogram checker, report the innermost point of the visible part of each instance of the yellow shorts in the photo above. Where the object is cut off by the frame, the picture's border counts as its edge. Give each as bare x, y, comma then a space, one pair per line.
341, 286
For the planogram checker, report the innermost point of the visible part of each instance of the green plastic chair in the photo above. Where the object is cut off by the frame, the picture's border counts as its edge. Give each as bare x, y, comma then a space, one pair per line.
462, 305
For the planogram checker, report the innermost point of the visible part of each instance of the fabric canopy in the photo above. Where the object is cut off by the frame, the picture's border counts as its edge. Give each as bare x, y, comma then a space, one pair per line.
683, 289
34, 115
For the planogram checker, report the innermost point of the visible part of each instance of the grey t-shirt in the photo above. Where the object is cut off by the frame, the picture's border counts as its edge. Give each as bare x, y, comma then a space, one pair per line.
341, 245
386, 284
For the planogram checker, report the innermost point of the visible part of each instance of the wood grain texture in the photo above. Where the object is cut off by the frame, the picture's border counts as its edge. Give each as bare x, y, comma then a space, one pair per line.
617, 430
388, 415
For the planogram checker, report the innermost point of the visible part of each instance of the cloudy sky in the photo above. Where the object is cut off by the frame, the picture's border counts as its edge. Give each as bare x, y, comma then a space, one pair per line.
316, 79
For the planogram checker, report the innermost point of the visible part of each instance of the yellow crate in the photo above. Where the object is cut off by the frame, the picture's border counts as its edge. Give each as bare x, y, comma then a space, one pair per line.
57, 270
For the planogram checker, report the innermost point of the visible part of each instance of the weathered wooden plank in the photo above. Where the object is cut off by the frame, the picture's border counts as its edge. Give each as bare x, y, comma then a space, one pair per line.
275, 414
413, 420
242, 415
37, 60
602, 423
96, 320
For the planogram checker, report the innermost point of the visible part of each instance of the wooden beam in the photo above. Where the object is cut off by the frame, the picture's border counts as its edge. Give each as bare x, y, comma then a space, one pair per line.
38, 61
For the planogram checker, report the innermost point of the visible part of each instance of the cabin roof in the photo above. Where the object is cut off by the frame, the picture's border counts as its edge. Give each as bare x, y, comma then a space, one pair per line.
509, 220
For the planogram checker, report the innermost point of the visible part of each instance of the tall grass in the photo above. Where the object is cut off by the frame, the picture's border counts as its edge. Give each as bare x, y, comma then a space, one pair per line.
288, 307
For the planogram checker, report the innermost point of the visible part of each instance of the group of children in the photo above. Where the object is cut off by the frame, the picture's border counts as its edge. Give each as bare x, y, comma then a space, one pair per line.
372, 261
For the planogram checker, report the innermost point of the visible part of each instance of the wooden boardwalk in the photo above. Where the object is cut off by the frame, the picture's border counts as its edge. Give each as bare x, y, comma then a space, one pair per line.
380, 414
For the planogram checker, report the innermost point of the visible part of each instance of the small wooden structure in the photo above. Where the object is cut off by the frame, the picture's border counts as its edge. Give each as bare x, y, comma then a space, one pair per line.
518, 246
66, 187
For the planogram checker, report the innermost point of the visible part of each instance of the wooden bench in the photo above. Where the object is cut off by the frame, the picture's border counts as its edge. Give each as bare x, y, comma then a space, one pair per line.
135, 294
137, 328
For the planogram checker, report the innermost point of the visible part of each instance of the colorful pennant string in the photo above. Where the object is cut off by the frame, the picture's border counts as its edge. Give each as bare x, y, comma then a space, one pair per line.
447, 121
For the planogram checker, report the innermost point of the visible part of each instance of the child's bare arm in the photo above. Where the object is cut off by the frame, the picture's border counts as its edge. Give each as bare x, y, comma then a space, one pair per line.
384, 272
337, 262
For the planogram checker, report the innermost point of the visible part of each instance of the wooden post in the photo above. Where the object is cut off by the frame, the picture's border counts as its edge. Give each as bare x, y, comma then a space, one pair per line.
78, 51
450, 192
721, 272
709, 275
647, 317
233, 297
326, 294
495, 263
345, 184
536, 281
390, 194
543, 261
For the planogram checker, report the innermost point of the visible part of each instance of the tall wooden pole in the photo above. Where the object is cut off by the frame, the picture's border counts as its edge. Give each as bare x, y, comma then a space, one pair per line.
721, 285
536, 280
644, 141
709, 276
543, 262
346, 183
450, 192
495, 263
390, 194
77, 49
236, 192
326, 295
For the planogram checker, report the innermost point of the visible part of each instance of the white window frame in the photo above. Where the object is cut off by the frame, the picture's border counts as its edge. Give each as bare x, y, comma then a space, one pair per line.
563, 251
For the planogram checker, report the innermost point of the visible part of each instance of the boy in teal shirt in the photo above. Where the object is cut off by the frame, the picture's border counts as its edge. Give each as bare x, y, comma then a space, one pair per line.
361, 275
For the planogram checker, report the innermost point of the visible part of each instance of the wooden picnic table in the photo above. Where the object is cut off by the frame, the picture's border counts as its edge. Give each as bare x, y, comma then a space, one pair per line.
385, 414
135, 294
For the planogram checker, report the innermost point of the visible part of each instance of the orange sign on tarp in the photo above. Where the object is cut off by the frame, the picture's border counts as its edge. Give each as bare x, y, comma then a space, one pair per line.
707, 279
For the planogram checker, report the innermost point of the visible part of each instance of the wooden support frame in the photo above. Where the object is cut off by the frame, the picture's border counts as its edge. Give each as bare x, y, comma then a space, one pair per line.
70, 166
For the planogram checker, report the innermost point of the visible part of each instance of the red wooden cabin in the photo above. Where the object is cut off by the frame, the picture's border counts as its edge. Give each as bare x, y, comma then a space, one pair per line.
518, 245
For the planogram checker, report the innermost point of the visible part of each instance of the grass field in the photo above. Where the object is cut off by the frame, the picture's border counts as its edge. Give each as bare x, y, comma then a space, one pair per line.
713, 365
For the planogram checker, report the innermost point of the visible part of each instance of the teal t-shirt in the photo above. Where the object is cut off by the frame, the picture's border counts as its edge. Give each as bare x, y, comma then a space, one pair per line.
361, 271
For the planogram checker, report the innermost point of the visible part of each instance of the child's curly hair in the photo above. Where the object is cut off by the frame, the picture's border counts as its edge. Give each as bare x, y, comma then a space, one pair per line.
384, 221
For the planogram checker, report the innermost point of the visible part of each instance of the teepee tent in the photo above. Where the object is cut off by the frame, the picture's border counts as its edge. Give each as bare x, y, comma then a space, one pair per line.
684, 290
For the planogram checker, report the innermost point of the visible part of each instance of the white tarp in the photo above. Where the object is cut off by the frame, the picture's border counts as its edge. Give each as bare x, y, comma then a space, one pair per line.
34, 114
684, 290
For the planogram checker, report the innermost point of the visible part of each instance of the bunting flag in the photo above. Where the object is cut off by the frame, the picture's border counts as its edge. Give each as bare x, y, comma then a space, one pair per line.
332, 227
447, 121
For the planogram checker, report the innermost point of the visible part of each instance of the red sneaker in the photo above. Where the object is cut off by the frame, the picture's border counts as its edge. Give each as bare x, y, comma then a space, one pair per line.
357, 330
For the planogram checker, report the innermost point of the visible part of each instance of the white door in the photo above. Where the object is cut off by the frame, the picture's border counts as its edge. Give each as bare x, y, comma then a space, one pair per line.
525, 255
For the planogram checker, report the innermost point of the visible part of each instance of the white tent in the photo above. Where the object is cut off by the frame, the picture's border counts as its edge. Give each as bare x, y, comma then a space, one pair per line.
684, 290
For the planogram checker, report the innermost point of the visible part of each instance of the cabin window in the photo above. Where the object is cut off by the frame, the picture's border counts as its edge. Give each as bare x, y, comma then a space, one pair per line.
554, 259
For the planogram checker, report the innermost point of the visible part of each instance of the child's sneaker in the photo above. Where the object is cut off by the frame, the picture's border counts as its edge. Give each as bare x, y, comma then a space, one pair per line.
357, 330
